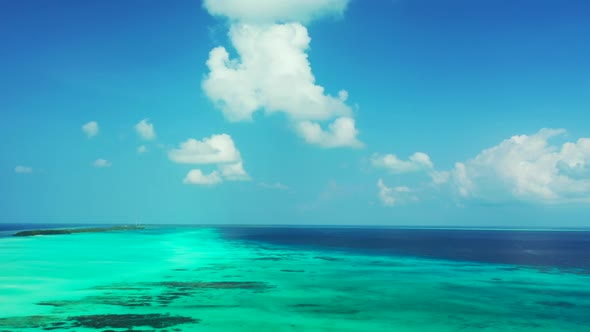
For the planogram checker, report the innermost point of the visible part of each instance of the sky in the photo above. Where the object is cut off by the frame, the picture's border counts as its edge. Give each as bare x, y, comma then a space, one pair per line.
334, 112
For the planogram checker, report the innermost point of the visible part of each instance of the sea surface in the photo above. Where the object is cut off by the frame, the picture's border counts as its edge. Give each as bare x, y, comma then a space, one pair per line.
178, 278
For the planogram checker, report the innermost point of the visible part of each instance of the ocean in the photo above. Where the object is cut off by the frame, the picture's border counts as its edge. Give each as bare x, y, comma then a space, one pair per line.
205, 278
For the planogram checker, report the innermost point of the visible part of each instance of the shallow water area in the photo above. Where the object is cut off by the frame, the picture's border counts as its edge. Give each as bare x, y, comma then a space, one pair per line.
197, 279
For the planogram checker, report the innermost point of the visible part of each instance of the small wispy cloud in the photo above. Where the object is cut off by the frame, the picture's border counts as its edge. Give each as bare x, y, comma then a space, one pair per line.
102, 163
145, 130
275, 186
390, 196
419, 161
23, 169
332, 192
234, 172
142, 149
91, 129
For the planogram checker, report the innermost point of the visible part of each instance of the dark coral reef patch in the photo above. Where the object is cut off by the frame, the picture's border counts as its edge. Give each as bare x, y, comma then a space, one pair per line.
118, 321
130, 321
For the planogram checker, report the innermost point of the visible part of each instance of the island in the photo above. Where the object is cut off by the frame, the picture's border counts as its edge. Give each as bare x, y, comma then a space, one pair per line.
77, 230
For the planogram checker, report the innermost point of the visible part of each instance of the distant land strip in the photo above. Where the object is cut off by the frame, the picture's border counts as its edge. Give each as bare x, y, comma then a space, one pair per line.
76, 230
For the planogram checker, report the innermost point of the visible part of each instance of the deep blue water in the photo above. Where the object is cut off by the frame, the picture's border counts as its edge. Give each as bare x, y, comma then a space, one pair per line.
560, 249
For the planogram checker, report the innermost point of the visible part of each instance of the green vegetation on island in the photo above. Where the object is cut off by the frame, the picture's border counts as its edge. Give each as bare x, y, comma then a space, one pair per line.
77, 230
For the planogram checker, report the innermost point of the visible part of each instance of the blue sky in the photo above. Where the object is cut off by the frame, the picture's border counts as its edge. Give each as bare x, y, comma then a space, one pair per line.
430, 85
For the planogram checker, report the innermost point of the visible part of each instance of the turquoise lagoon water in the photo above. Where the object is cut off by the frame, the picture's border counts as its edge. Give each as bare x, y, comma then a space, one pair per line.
197, 279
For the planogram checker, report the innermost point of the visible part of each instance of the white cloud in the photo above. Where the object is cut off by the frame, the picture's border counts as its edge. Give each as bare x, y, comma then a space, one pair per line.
145, 130
340, 133
385, 194
528, 168
440, 177
391, 196
272, 72
215, 149
343, 95
142, 149
276, 185
462, 180
234, 172
419, 161
270, 11
197, 177
91, 129
23, 169
100, 163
